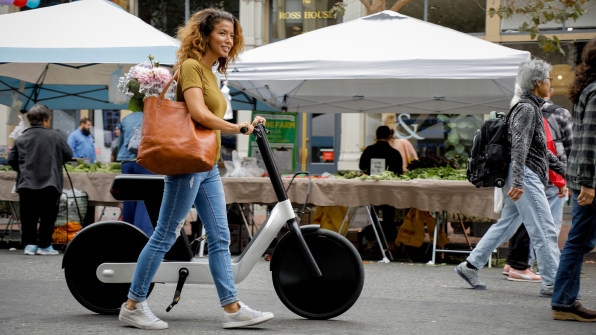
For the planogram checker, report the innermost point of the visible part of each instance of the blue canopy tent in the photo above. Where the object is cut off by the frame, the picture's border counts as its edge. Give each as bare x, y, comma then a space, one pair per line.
55, 96
243, 101
68, 64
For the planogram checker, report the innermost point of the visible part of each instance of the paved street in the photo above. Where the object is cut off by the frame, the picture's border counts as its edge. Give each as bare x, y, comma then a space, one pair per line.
398, 298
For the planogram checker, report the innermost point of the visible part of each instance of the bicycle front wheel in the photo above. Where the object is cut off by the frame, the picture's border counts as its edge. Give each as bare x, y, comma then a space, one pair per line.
306, 294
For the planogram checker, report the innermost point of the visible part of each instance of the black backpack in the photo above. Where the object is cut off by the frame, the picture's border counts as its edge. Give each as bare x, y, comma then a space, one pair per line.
491, 153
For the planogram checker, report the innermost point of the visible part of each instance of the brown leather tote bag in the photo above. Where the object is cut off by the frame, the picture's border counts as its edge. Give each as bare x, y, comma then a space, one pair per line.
171, 141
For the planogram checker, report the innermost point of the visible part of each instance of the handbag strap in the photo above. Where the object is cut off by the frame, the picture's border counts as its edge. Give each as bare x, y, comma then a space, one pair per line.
175, 77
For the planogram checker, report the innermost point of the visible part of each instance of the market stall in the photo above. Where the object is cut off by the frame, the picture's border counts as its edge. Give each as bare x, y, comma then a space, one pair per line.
424, 194
96, 185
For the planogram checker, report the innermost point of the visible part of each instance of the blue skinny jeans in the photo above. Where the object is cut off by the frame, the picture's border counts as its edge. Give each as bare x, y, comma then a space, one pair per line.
205, 191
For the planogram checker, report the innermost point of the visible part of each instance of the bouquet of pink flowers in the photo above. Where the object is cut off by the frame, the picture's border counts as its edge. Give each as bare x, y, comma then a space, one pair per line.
143, 80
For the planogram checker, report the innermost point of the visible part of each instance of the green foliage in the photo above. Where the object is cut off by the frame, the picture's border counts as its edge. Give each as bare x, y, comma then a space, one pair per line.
338, 9
537, 12
460, 136
441, 173
81, 166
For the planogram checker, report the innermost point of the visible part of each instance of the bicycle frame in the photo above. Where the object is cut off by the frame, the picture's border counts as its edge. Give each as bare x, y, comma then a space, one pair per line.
198, 268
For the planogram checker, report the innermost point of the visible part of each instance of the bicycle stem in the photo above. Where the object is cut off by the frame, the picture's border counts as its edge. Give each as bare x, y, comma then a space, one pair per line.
261, 138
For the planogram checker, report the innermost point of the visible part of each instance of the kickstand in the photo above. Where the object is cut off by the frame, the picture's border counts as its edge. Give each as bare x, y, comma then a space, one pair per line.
182, 275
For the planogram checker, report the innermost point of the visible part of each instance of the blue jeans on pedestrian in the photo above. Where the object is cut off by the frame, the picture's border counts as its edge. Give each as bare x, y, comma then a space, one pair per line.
135, 212
580, 241
205, 191
556, 208
533, 209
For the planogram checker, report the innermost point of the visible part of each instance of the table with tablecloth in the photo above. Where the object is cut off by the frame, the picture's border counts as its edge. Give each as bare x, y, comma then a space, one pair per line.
424, 194
96, 185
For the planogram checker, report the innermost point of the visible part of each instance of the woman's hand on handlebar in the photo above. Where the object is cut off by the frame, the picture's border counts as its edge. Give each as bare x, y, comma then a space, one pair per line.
258, 119
247, 129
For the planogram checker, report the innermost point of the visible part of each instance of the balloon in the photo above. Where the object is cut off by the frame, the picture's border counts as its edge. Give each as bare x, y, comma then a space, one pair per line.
6, 2
19, 3
32, 3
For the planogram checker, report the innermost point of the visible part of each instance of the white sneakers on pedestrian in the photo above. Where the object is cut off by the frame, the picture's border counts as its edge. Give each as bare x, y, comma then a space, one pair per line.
49, 251
35, 250
141, 317
30, 249
245, 317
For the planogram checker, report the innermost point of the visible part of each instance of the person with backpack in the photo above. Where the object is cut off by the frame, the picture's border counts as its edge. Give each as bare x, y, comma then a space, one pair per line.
528, 174
557, 126
581, 178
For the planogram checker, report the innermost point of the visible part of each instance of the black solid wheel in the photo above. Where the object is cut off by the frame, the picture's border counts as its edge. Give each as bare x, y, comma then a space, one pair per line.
304, 293
101, 242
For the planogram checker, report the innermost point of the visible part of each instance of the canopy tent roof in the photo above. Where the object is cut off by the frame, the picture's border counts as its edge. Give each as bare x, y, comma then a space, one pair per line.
385, 62
56, 55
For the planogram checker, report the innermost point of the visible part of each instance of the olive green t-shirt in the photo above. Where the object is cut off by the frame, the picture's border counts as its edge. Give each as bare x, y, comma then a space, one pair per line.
193, 74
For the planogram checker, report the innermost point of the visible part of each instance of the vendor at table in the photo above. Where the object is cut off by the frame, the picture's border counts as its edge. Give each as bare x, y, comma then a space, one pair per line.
376, 158
81, 142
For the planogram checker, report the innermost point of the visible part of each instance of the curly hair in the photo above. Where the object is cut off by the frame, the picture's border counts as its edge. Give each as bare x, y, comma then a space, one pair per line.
585, 73
194, 35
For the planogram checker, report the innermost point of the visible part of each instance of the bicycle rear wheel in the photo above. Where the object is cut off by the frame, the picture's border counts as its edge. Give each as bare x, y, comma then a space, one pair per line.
304, 293
101, 242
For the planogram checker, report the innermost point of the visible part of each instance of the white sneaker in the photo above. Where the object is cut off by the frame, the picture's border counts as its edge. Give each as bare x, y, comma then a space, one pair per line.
30, 249
141, 317
47, 251
245, 317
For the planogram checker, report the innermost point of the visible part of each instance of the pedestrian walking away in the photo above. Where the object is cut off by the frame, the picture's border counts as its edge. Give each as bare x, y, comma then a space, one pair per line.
37, 156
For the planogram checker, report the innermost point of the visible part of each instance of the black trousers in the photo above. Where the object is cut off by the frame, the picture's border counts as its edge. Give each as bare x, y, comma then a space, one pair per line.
38, 206
519, 249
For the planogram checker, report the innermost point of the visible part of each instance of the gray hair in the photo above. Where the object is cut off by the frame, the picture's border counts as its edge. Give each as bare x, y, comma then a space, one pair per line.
38, 114
517, 93
531, 72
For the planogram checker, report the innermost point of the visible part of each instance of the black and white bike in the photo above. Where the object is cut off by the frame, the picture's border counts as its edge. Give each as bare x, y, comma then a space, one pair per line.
317, 273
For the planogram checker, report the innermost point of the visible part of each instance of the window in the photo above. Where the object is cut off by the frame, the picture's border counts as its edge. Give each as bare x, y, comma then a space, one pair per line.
466, 16
293, 17
586, 21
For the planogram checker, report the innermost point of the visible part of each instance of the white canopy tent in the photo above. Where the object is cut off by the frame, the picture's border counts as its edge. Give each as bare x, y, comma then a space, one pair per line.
382, 63
63, 55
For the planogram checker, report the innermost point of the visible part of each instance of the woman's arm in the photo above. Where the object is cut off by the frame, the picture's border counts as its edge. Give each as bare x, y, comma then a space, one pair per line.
201, 113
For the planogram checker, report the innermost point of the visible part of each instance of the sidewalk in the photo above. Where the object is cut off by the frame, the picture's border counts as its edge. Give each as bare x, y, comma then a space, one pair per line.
398, 298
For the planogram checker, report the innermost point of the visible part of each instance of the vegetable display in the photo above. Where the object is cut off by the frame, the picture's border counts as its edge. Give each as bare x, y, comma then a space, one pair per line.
443, 172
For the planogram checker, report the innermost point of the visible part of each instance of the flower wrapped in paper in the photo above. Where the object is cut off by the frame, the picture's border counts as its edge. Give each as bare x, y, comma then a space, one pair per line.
143, 80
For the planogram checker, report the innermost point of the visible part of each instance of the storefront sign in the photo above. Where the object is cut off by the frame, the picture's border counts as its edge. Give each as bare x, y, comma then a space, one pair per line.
405, 125
282, 139
306, 15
